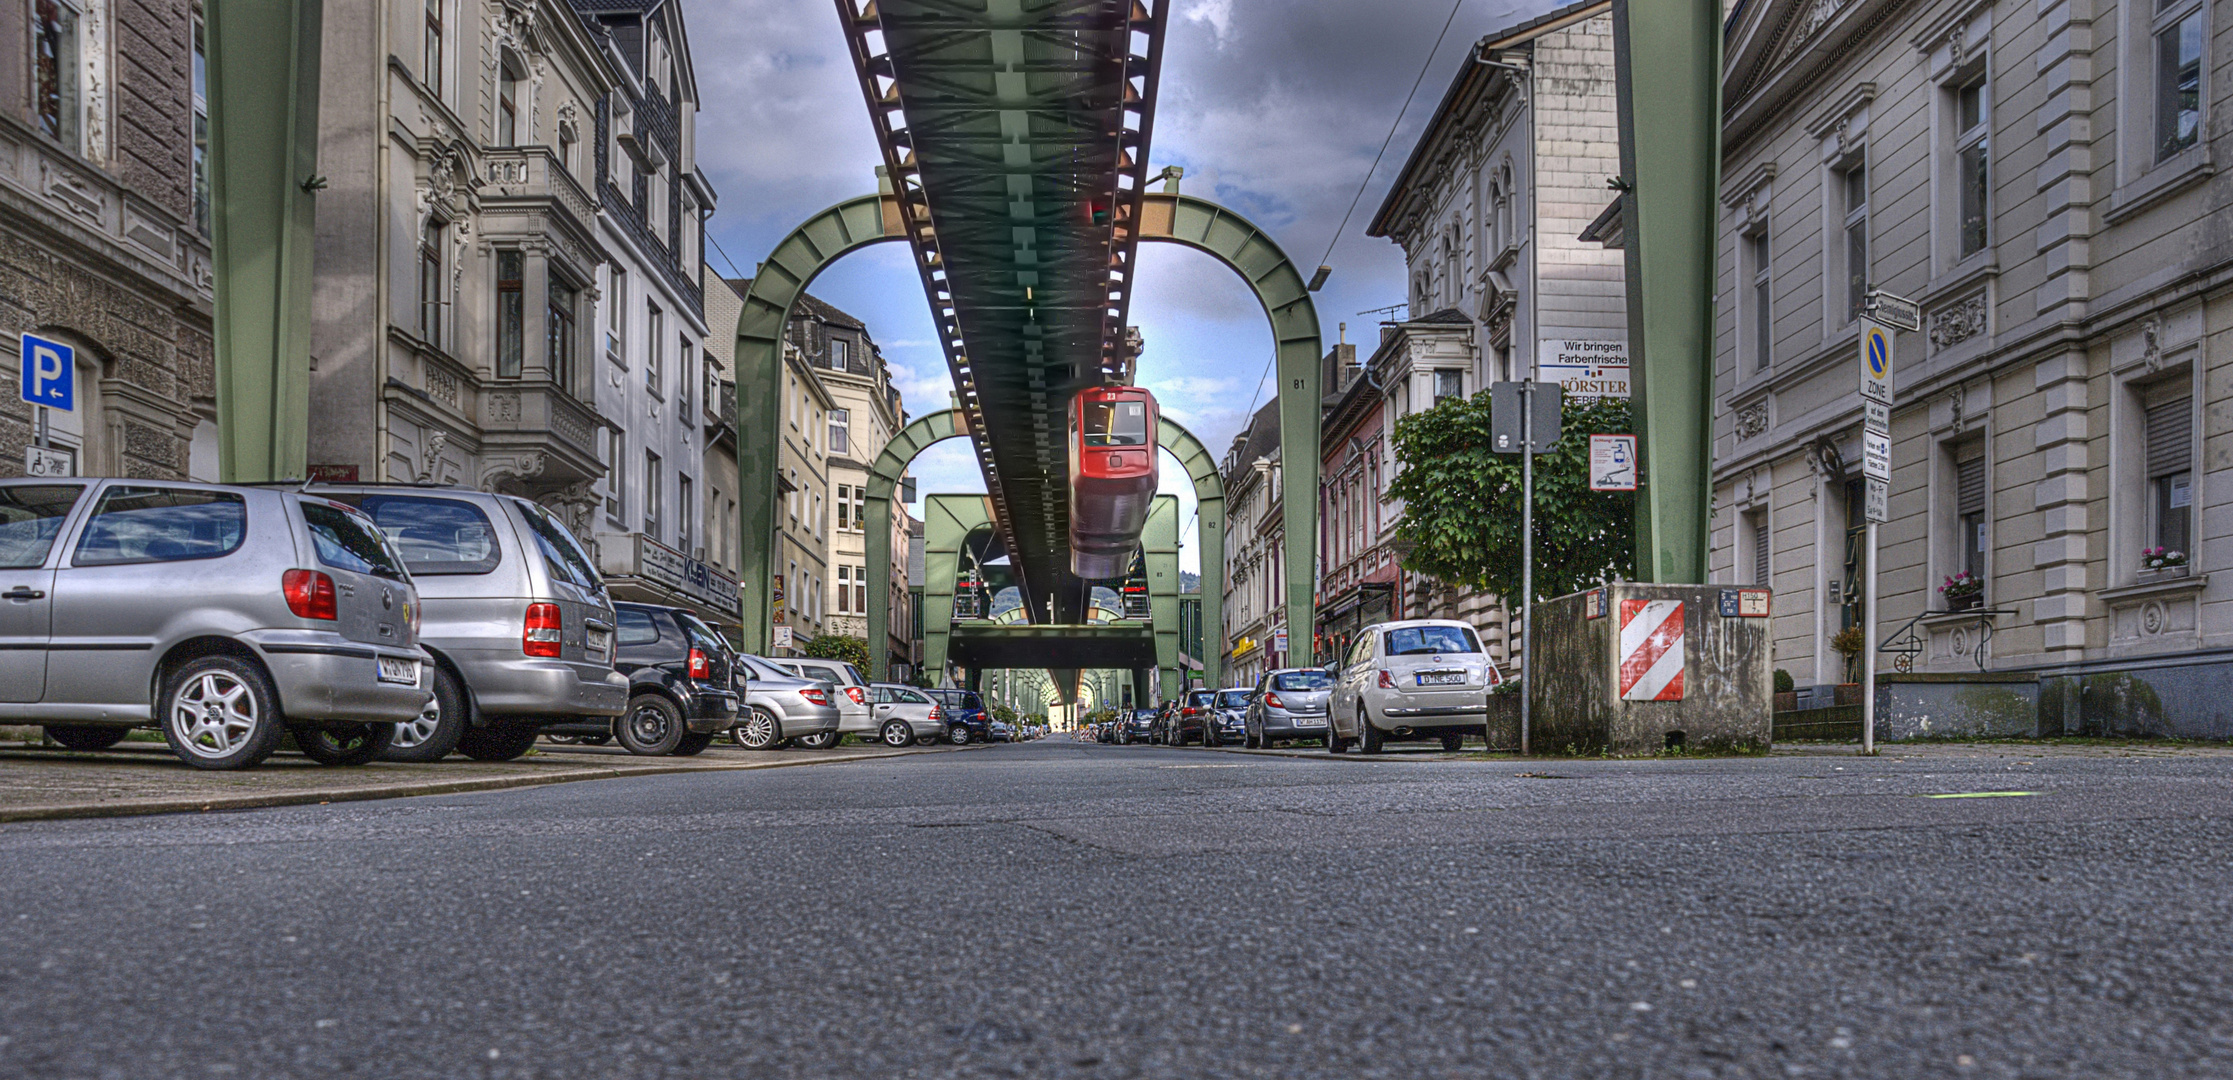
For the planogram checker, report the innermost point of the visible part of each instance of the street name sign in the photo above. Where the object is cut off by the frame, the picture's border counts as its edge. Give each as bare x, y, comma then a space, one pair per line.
1876, 362
49, 373
1612, 463
1897, 312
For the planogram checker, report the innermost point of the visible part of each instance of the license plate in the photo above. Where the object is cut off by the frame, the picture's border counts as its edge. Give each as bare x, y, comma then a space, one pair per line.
597, 641
399, 671
1442, 678
1309, 721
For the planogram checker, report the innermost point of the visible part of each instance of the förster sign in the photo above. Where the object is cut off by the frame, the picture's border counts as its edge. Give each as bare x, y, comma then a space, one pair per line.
1584, 369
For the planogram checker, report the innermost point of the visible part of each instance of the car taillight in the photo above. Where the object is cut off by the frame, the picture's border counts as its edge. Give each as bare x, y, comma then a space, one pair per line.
935, 714
700, 667
543, 633
859, 696
1387, 681
1272, 700
309, 594
1188, 711
815, 695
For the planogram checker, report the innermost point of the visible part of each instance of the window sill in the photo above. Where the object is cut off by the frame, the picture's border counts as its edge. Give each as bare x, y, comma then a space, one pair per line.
1979, 266
2156, 589
2189, 167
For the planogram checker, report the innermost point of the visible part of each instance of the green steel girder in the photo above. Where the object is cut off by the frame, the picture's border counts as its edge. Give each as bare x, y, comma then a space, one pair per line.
1159, 544
263, 161
1279, 287
1672, 162
1209, 498
776, 288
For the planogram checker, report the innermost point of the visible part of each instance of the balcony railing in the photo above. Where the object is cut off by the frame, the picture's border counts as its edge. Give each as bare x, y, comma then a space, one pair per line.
534, 173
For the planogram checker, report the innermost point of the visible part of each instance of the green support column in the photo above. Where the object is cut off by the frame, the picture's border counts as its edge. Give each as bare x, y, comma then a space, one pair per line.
883, 481
1209, 498
1672, 163
263, 164
1159, 545
776, 287
947, 522
1250, 252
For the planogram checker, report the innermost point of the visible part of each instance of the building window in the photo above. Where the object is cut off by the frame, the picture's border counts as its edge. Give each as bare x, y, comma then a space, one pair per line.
860, 589
2178, 76
560, 338
1756, 524
431, 60
653, 482
684, 499
616, 319
616, 474
860, 508
54, 44
430, 284
201, 130
819, 524
1448, 383
841, 430
684, 361
845, 590
507, 103
1854, 184
1970, 497
1758, 260
657, 333
1973, 164
2169, 431
844, 508
837, 354
566, 144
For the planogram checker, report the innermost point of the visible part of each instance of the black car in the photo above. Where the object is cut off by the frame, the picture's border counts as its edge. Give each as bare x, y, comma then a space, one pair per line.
679, 690
966, 718
1137, 727
1226, 721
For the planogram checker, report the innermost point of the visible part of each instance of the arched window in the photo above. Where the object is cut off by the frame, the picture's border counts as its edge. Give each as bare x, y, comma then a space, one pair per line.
1493, 220
507, 101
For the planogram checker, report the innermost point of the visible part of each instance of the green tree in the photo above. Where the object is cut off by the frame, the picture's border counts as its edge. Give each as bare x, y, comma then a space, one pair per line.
844, 647
1461, 513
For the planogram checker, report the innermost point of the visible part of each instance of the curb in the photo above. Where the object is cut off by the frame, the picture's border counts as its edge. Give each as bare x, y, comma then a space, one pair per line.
404, 791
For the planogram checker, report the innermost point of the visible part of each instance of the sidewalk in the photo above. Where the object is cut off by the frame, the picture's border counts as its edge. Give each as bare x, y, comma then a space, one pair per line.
2015, 749
144, 778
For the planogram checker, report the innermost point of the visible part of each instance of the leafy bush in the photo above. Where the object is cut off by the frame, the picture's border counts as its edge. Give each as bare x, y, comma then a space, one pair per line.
850, 649
1784, 683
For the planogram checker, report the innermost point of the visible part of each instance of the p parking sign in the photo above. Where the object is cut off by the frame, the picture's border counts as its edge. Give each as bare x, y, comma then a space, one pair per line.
1876, 362
48, 374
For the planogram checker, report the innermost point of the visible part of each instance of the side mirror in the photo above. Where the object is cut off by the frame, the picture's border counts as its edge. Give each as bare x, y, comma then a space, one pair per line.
1333, 671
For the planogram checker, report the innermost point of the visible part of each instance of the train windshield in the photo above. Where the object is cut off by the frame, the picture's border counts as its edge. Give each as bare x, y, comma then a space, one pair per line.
1116, 423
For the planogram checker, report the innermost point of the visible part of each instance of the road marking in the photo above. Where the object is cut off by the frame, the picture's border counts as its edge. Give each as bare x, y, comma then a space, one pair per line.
1197, 766
1981, 795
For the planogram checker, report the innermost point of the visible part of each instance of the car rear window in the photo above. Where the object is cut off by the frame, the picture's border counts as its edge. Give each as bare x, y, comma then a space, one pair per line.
636, 626
31, 515
901, 693
1233, 699
152, 524
1296, 681
436, 536
1419, 640
701, 635
348, 540
561, 552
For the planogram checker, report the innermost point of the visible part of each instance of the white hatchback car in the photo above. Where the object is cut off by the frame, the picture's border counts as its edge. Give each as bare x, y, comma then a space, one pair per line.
1421, 679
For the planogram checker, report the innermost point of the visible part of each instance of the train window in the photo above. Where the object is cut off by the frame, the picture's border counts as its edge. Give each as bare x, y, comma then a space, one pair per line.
1116, 423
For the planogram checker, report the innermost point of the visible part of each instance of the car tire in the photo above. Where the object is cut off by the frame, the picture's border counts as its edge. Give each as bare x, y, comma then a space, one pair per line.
220, 712
343, 744
500, 740
598, 739
652, 726
1211, 738
926, 740
693, 744
1251, 742
87, 736
958, 735
1335, 744
1452, 742
759, 730
435, 733
820, 740
1369, 738
898, 734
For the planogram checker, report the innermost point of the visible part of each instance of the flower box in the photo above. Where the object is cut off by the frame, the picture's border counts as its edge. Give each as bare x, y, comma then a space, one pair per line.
1965, 601
2163, 573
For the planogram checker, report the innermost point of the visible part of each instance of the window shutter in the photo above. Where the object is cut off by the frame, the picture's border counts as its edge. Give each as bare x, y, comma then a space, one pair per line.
1969, 485
1760, 551
2170, 433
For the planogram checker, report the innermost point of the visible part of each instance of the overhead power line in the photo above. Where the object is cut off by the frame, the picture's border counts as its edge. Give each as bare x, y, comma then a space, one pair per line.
1367, 181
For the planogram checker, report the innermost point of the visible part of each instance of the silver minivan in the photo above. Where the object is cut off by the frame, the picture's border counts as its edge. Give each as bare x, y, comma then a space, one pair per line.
517, 618
225, 615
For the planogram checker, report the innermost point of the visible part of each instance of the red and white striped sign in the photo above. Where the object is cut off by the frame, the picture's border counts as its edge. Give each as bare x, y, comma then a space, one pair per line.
1651, 650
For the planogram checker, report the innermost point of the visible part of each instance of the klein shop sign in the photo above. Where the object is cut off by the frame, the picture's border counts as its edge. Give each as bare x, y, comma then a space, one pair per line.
685, 575
1584, 369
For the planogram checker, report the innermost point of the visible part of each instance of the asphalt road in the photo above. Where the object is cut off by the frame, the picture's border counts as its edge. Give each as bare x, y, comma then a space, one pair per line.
1061, 910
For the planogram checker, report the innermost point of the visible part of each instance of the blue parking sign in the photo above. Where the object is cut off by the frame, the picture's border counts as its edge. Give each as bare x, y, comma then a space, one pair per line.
49, 373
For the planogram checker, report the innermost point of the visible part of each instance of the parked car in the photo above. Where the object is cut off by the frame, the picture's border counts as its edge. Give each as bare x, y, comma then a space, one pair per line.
1001, 731
780, 706
906, 716
1136, 727
1105, 732
1290, 703
1420, 679
966, 718
1227, 718
224, 615
681, 691
1182, 723
855, 716
517, 619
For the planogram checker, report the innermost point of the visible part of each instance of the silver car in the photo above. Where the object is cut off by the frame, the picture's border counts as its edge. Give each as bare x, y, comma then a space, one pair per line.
517, 618
780, 707
906, 716
856, 717
1421, 679
225, 615
1290, 703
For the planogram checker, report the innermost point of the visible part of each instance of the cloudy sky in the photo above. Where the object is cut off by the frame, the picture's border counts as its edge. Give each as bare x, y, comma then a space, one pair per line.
1274, 107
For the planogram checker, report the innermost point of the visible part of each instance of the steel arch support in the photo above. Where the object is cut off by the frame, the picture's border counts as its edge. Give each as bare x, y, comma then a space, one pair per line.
883, 479
1209, 497
1251, 253
776, 288
263, 114
1159, 549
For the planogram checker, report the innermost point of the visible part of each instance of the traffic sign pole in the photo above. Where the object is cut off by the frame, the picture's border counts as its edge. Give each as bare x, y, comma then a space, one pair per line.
1876, 477
1527, 558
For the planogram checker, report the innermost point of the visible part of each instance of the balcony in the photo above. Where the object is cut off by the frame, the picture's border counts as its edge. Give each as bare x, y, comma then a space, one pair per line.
532, 175
538, 417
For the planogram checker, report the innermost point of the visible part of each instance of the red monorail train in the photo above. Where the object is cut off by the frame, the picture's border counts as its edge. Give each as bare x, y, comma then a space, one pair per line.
1112, 477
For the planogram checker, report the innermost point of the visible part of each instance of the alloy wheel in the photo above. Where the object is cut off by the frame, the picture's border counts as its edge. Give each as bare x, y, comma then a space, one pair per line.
214, 714
757, 732
412, 732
